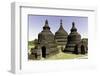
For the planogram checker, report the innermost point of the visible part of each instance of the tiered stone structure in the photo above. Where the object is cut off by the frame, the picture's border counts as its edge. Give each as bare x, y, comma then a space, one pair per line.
74, 43
46, 41
61, 36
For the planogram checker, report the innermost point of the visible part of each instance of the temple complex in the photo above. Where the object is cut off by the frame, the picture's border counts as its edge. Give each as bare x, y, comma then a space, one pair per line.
48, 43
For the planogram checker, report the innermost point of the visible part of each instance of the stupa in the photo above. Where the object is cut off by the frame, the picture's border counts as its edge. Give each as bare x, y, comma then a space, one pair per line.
46, 44
74, 38
61, 36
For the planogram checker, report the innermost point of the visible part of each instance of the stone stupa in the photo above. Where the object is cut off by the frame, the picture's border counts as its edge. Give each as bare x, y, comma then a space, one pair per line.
61, 36
74, 38
46, 41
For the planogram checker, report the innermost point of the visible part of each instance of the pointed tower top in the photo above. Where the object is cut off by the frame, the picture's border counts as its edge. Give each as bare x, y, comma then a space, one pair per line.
46, 21
60, 21
61, 25
61, 29
73, 24
73, 29
46, 26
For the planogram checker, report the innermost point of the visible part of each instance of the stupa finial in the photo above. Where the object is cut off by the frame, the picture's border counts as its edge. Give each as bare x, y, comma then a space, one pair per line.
46, 21
73, 24
46, 26
73, 29
61, 22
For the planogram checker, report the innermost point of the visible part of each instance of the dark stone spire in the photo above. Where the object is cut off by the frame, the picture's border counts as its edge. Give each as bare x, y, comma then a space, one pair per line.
61, 26
73, 29
61, 22
61, 29
46, 26
46, 22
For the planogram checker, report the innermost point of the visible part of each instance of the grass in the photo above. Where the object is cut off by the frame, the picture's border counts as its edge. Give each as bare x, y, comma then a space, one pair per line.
62, 55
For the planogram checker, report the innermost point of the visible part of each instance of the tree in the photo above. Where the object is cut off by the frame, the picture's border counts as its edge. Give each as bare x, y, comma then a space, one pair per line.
35, 43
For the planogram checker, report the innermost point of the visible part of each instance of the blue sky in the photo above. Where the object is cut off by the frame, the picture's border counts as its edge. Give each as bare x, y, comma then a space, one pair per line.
36, 22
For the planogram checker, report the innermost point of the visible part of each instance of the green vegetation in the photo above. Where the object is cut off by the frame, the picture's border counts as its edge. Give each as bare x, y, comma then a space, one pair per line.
62, 55
32, 44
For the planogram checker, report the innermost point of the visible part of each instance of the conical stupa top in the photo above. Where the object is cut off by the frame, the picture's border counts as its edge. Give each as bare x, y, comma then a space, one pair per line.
46, 26
61, 29
73, 29
61, 26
